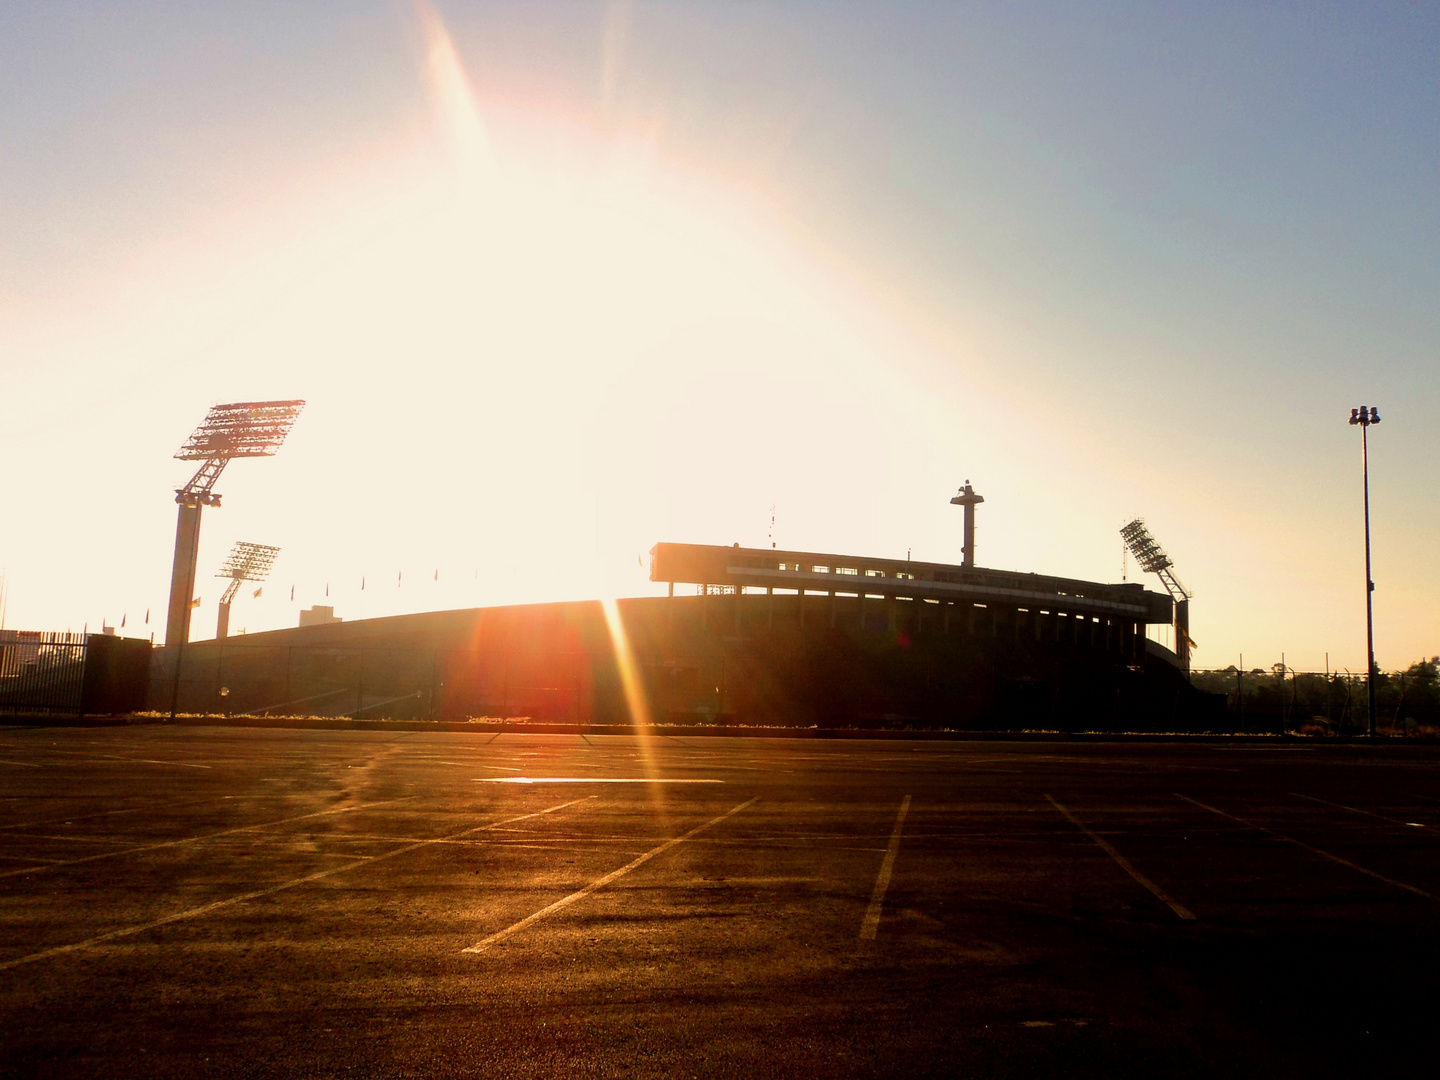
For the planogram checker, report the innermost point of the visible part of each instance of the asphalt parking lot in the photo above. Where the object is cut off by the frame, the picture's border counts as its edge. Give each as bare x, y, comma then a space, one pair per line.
246, 902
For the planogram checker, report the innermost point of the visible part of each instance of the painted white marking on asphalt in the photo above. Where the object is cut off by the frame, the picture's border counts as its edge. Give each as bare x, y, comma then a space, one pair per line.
215, 905
198, 839
1313, 850
1124, 864
601, 882
1357, 810
90, 756
64, 838
152, 761
112, 813
586, 780
870, 925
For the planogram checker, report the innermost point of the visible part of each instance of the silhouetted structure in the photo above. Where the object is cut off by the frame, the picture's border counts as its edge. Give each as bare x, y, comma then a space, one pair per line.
319, 615
246, 562
1153, 560
969, 500
1362, 418
771, 638
238, 430
44, 673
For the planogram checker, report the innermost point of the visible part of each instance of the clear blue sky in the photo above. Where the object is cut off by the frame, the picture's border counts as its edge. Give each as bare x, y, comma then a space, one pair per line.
1101, 259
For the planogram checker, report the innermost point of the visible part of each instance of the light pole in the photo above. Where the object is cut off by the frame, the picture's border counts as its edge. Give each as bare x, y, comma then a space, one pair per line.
1364, 417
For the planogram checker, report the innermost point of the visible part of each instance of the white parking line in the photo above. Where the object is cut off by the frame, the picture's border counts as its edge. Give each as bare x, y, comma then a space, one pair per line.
1357, 810
587, 780
1312, 850
870, 925
1124, 864
197, 839
601, 882
92, 757
205, 909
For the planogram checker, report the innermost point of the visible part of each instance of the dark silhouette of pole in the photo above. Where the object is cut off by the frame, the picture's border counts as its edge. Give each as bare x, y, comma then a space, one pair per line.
1363, 418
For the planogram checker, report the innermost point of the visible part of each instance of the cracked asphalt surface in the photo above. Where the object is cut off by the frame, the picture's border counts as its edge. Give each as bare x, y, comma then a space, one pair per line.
180, 902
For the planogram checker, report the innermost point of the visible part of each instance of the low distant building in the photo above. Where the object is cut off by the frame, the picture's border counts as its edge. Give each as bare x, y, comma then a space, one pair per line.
17, 649
319, 615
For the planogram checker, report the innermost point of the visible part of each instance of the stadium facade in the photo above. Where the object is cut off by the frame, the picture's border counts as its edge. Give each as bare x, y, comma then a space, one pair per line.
766, 637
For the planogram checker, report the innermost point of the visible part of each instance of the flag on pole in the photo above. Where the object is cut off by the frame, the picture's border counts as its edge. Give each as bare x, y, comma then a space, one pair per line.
362, 582
259, 591
122, 622
437, 573
327, 588
292, 593
147, 616
398, 575
195, 603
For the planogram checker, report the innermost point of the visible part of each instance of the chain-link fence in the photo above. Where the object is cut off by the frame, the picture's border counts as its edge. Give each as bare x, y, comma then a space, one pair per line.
1281, 699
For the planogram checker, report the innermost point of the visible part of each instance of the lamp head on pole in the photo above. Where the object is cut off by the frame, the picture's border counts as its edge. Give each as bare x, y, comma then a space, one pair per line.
1365, 415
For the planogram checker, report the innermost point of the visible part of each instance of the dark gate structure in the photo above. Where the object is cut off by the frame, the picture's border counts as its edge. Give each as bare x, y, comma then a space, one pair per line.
44, 673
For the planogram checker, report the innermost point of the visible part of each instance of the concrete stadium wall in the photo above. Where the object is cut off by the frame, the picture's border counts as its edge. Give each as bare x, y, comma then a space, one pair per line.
728, 659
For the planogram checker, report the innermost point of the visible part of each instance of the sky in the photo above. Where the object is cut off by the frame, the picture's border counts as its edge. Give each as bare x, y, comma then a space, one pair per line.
560, 280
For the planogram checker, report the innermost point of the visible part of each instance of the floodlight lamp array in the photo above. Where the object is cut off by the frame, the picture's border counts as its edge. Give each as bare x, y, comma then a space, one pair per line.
241, 429
249, 562
1146, 549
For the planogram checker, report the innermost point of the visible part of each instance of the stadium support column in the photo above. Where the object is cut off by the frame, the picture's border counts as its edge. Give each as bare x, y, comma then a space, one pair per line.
182, 573
1182, 633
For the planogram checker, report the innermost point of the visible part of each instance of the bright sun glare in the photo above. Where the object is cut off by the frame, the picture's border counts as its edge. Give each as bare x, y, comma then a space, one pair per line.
557, 359
528, 356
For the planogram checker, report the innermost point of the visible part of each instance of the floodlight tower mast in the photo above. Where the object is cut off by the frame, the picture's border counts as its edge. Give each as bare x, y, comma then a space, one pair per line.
1153, 560
238, 430
969, 500
246, 562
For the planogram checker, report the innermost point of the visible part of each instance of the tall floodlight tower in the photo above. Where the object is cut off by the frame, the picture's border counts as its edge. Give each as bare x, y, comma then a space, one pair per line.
239, 430
246, 562
969, 500
1153, 560
1362, 418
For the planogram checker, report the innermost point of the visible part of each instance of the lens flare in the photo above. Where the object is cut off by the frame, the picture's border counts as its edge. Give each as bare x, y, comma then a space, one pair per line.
635, 699
453, 100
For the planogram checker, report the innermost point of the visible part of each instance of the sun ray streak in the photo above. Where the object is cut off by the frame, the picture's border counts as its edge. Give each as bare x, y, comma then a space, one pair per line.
453, 100
635, 700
